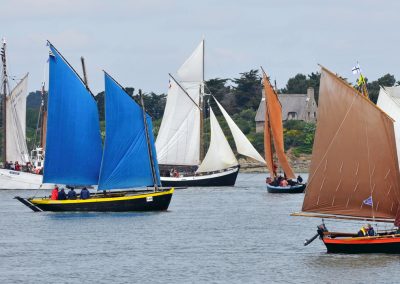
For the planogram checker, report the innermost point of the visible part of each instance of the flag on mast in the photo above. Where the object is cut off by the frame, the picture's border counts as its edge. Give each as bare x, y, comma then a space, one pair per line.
356, 69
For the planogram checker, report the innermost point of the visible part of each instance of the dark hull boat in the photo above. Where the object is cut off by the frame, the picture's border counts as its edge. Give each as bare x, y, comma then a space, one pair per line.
354, 173
116, 202
127, 161
375, 244
225, 178
298, 188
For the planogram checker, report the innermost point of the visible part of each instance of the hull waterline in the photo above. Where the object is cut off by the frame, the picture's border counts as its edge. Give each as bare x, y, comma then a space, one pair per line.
143, 201
227, 178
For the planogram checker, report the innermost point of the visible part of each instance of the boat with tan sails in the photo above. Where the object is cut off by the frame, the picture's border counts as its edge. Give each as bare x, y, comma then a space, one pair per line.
354, 171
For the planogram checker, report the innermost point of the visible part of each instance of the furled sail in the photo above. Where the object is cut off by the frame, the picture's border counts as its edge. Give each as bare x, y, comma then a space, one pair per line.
274, 110
354, 169
243, 145
126, 162
219, 155
17, 149
73, 144
178, 140
389, 102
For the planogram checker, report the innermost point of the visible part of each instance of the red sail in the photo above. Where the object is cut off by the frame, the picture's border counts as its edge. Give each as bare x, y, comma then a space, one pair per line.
354, 169
273, 110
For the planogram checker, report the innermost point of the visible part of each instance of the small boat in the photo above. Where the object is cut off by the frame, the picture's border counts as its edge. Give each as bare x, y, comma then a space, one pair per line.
14, 134
128, 160
180, 140
354, 172
273, 134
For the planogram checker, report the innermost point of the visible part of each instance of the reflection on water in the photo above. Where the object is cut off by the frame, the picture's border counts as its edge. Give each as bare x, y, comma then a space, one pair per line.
238, 234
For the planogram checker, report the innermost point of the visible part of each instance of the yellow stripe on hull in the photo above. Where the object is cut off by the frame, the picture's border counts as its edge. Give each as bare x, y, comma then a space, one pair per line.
39, 201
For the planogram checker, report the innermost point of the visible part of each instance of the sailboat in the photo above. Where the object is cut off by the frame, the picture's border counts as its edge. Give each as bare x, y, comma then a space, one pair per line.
14, 136
354, 171
74, 153
273, 134
180, 140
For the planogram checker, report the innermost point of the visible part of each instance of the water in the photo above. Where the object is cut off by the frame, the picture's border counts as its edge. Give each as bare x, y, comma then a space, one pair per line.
240, 234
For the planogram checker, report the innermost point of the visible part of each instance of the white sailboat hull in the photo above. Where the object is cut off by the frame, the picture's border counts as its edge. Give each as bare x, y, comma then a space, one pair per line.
10, 179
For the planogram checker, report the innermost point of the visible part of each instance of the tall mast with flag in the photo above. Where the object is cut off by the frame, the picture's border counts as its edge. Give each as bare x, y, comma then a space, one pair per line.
361, 83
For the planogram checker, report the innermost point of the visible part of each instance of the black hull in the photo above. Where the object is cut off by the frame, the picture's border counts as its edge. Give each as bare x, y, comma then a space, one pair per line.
225, 180
141, 202
390, 245
292, 189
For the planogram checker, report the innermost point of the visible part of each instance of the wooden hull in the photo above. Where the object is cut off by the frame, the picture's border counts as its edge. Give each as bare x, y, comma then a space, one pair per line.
378, 244
154, 201
226, 178
286, 189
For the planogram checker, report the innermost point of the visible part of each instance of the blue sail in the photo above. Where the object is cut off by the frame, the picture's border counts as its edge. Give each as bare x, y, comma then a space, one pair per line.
73, 145
126, 160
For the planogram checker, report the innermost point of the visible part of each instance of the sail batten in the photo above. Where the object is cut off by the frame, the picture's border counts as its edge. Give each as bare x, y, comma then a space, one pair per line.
219, 155
73, 140
354, 169
273, 110
243, 145
126, 162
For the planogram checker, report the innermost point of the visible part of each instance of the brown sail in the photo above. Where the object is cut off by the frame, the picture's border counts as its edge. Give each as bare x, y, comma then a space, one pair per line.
354, 169
273, 110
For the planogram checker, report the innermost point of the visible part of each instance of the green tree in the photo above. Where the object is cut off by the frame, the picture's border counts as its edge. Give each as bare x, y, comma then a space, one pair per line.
247, 91
217, 87
387, 80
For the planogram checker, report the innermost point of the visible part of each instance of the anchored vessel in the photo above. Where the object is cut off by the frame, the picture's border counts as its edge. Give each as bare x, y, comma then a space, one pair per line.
180, 141
127, 161
273, 134
354, 172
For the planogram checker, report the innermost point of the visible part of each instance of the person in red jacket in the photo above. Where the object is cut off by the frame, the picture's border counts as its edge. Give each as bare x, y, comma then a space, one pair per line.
54, 193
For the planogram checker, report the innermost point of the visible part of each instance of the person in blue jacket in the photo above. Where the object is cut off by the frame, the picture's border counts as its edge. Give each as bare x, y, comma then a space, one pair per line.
85, 194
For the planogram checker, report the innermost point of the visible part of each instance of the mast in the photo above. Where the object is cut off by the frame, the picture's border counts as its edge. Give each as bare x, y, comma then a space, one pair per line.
85, 80
201, 104
43, 114
268, 127
4, 110
153, 170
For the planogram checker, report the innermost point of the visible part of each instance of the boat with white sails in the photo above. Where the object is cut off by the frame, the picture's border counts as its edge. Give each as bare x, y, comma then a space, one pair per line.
14, 134
180, 140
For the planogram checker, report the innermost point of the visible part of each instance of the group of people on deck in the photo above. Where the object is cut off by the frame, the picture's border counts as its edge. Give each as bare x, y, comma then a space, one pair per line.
283, 181
57, 194
28, 167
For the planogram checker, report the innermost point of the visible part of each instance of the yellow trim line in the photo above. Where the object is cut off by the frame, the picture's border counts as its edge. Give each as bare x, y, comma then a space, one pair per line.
106, 199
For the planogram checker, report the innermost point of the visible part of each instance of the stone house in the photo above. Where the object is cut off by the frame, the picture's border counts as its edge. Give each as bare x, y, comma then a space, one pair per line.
294, 107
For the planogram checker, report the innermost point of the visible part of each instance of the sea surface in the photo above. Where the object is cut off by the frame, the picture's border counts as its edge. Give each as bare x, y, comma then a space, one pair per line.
238, 234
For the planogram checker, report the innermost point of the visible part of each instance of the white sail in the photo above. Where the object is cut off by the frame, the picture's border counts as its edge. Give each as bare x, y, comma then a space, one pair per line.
178, 140
192, 70
243, 144
389, 102
17, 149
219, 155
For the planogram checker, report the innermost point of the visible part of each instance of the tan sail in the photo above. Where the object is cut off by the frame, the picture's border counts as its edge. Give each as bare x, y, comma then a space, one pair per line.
268, 145
273, 110
354, 160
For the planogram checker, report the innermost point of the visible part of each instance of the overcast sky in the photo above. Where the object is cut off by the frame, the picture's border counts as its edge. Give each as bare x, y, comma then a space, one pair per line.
140, 42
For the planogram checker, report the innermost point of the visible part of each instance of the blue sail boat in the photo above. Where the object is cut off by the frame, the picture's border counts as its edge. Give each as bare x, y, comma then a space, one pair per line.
74, 152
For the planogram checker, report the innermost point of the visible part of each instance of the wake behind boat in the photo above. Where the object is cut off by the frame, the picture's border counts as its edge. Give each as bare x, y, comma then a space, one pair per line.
354, 172
180, 141
128, 160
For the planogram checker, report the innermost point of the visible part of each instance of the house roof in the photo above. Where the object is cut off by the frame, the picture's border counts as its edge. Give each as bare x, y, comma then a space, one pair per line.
290, 103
